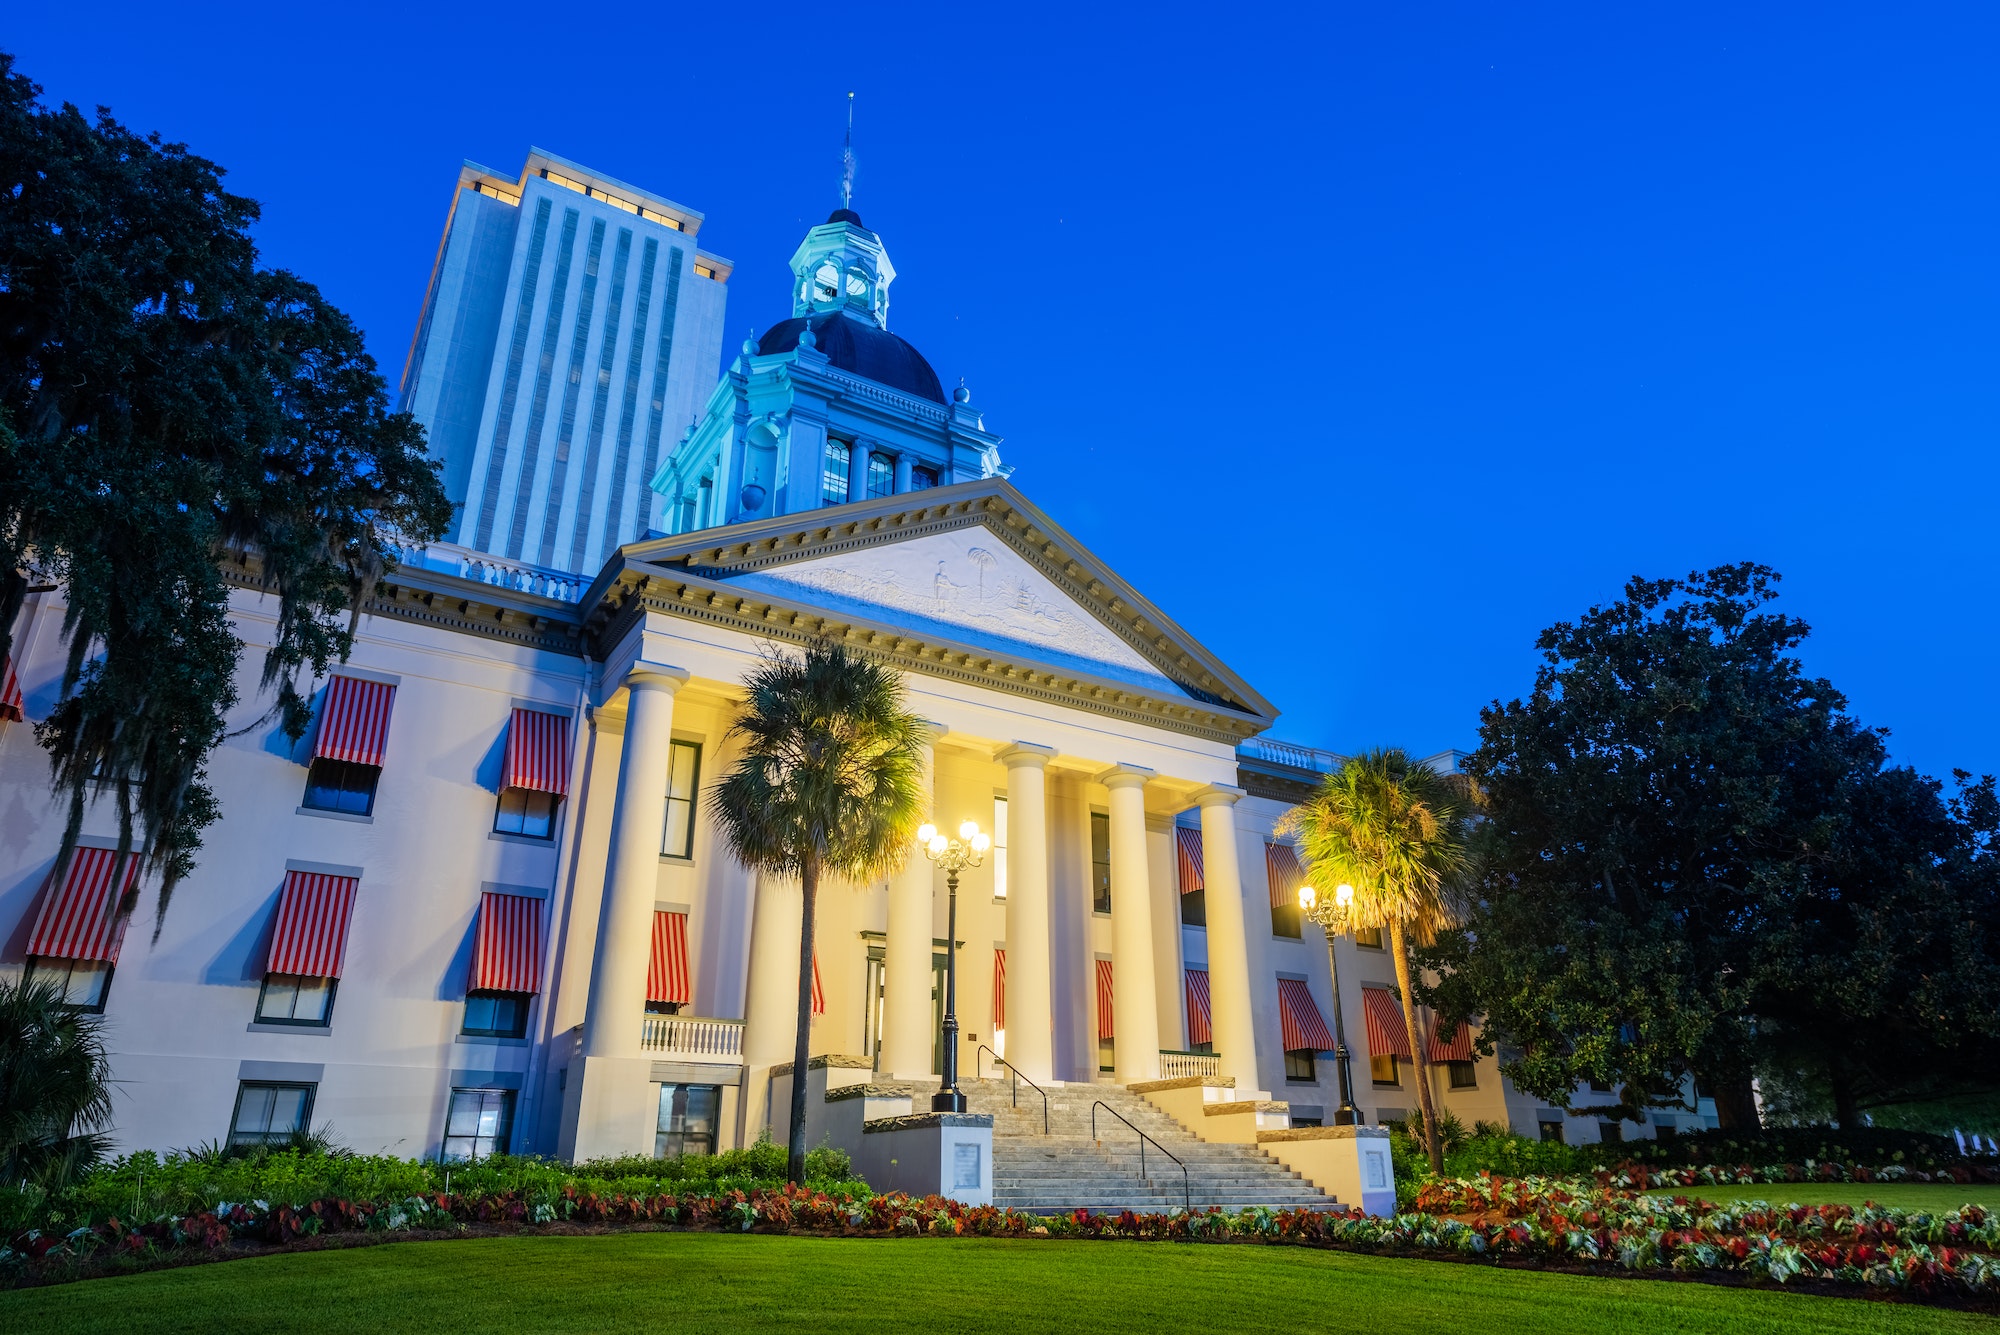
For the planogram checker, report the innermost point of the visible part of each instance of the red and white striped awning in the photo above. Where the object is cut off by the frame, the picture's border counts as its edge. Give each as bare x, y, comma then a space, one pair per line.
1187, 858
1459, 1049
1200, 1017
1281, 864
310, 937
1299, 1018
667, 969
80, 919
354, 720
1104, 999
819, 988
538, 754
999, 989
507, 949
1388, 1035
11, 704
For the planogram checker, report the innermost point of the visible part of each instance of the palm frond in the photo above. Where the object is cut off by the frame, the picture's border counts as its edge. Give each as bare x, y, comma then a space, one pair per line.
831, 767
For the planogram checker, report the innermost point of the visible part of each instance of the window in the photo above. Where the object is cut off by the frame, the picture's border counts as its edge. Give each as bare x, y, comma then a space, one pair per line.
826, 282
289, 998
1600, 1086
1463, 1075
1551, 1131
833, 474
881, 476
688, 1114
525, 812
1384, 1071
1107, 1054
1308, 1121
496, 1014
1299, 1066
1286, 919
1369, 937
1610, 1132
270, 1114
999, 848
1100, 862
923, 477
1194, 908
1666, 1130
478, 1123
341, 785
683, 777
84, 983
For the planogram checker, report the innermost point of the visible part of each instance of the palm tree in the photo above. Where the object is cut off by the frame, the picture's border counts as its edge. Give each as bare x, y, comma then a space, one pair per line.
55, 1086
1399, 832
829, 783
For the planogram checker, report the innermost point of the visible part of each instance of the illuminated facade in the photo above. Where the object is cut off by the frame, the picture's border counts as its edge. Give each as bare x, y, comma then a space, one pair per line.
569, 331
483, 905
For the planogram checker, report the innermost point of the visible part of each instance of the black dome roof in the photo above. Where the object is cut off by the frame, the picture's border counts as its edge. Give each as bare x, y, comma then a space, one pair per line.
855, 344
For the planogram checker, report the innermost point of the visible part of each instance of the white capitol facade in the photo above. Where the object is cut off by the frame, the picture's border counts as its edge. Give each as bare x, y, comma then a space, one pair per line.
536, 939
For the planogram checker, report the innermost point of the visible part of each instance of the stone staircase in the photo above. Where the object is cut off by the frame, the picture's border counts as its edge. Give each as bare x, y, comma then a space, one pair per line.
1067, 1169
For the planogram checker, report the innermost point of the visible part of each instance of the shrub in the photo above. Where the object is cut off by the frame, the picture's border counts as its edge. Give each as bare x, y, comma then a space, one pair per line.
1875, 1146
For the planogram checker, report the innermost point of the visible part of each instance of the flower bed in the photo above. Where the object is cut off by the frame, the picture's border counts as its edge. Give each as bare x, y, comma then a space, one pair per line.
1528, 1222
1646, 1176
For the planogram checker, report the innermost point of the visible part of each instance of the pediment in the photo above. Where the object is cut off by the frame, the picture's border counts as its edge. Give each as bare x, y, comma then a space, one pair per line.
969, 586
973, 564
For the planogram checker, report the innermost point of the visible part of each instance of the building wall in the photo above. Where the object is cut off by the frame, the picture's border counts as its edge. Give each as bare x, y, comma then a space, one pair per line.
180, 1011
588, 333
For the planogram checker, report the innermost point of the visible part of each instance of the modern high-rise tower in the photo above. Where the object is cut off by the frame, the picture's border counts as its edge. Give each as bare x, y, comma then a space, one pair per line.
570, 333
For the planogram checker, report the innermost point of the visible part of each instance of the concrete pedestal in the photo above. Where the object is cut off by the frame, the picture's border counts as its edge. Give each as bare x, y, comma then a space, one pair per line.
929, 1154
1349, 1163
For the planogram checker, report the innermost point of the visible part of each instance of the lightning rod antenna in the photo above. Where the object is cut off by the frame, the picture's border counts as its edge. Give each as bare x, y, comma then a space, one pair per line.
847, 159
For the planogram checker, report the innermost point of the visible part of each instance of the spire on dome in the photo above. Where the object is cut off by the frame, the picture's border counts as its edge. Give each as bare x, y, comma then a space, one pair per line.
847, 159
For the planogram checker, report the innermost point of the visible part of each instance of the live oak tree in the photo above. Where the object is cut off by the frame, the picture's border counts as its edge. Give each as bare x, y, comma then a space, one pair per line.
167, 406
829, 783
1696, 861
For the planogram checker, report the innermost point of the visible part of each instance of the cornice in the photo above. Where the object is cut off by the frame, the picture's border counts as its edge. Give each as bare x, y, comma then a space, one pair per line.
449, 602
640, 590
993, 504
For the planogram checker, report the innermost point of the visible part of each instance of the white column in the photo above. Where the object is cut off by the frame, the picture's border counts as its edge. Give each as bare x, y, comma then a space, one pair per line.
771, 997
612, 1115
1030, 1036
857, 471
1134, 1013
907, 1039
1228, 943
612, 1018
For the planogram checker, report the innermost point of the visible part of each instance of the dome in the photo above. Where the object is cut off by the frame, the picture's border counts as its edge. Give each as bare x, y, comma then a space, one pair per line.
855, 344
847, 216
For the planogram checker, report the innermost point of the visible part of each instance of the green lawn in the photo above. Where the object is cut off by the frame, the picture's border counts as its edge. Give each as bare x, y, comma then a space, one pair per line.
705, 1281
1902, 1195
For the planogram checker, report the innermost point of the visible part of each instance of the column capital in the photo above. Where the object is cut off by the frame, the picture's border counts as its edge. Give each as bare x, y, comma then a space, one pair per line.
934, 730
647, 676
1219, 795
1125, 776
1017, 754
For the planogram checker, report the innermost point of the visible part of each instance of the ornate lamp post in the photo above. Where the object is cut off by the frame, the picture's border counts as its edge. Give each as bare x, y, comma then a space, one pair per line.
1333, 917
954, 856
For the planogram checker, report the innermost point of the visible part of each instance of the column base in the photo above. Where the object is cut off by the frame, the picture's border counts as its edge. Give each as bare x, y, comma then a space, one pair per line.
615, 1112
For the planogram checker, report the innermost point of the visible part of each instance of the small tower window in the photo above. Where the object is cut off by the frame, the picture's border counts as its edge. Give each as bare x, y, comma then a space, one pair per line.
922, 477
857, 283
833, 474
881, 476
826, 283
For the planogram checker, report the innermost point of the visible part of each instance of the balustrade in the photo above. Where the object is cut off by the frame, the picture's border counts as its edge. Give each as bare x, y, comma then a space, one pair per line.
1182, 1065
692, 1036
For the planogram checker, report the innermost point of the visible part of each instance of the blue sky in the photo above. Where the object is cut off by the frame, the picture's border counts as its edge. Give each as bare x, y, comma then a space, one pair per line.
1367, 341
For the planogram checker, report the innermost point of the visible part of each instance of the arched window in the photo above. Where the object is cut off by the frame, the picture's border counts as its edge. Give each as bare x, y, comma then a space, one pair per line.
826, 282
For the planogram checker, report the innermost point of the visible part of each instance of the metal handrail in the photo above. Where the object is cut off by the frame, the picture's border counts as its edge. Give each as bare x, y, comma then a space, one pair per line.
1187, 1193
1019, 1080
